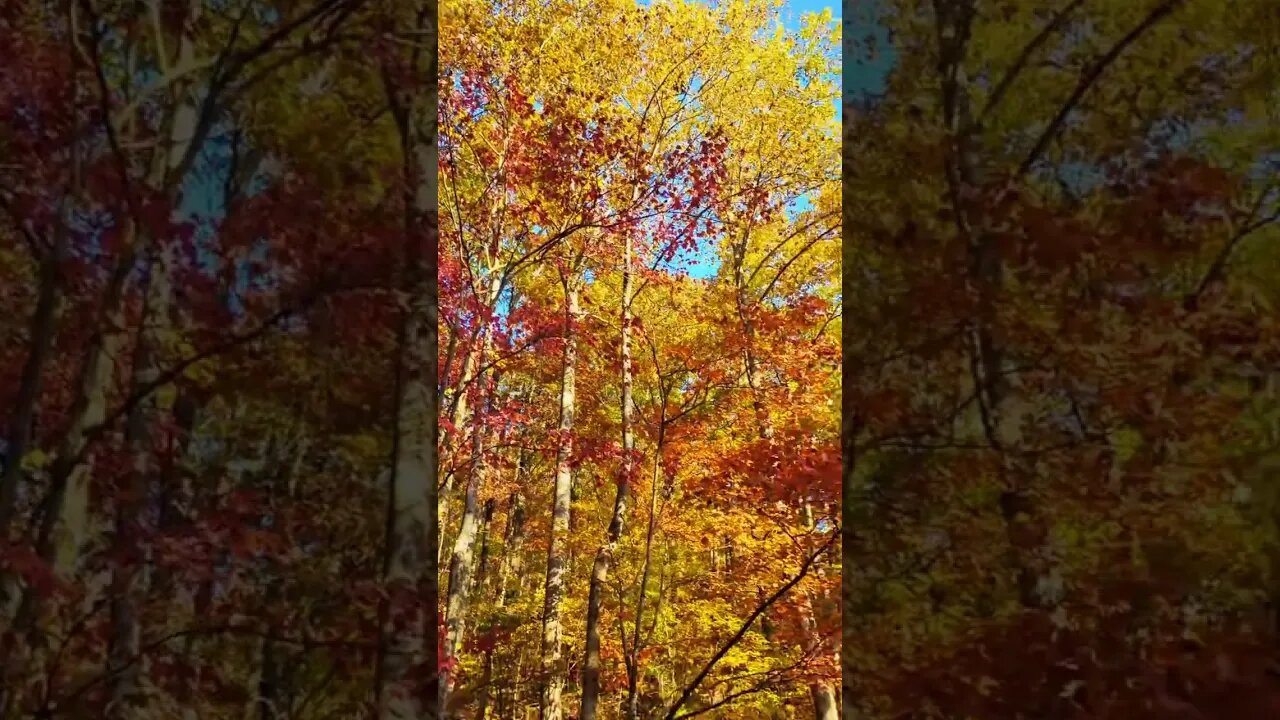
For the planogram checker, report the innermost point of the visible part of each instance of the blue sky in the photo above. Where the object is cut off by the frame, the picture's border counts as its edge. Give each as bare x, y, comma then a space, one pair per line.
706, 262
203, 195
867, 54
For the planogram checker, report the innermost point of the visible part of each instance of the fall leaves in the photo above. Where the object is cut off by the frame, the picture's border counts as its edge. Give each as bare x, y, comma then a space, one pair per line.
1047, 410
612, 392
394, 360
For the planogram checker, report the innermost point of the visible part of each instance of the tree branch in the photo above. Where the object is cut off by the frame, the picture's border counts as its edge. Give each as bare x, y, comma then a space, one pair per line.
746, 625
1090, 77
1024, 58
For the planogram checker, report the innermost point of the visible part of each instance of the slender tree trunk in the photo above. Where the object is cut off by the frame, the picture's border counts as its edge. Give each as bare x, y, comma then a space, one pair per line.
63, 524
411, 509
511, 566
129, 579
847, 554
43, 333
174, 493
486, 542
822, 693
633, 663
516, 695
486, 682
410, 568
471, 373
462, 560
552, 631
990, 377
193, 669
43, 330
13, 598
267, 703
617, 522
448, 441
512, 559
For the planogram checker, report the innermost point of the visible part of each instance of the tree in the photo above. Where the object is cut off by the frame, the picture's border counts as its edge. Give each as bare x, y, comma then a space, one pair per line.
589, 154
1038, 430
214, 212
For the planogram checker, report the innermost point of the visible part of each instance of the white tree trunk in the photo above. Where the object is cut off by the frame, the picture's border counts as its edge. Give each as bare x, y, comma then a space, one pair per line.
552, 630
412, 513
410, 564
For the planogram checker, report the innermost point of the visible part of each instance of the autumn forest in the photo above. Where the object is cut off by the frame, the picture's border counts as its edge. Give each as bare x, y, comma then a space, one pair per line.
639, 359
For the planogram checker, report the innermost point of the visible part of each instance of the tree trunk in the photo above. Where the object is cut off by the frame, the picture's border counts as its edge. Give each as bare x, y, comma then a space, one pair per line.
409, 560
822, 693
63, 524
486, 543
462, 561
486, 682
129, 579
471, 373
552, 631
410, 568
633, 662
992, 382
43, 331
604, 556
21, 429
847, 554
458, 420
511, 557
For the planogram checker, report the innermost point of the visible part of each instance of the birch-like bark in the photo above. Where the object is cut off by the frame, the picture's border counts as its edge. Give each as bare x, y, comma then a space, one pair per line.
411, 509
410, 563
471, 373
63, 525
130, 579
552, 630
462, 559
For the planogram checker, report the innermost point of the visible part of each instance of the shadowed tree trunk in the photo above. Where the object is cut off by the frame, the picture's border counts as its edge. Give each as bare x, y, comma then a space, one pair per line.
410, 623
